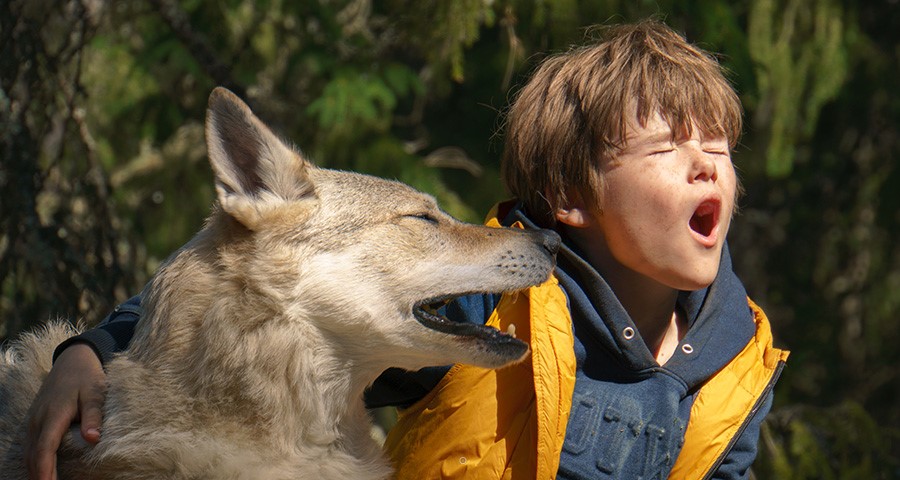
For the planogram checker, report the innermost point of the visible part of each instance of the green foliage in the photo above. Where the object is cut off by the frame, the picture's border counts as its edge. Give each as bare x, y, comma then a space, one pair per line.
354, 101
445, 30
103, 169
841, 442
800, 51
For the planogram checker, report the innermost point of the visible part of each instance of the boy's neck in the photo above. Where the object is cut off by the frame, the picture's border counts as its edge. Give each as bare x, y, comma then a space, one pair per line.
651, 305
653, 309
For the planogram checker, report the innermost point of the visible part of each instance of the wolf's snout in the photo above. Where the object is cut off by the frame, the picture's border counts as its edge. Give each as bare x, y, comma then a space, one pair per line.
550, 240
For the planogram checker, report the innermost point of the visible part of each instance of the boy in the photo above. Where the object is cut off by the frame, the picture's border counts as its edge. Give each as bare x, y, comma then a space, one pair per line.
648, 360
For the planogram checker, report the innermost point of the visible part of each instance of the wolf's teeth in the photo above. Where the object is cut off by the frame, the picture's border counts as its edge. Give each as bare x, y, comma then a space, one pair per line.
433, 307
511, 330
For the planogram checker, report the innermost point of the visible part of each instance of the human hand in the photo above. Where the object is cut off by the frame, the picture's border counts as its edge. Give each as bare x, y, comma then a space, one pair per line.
74, 390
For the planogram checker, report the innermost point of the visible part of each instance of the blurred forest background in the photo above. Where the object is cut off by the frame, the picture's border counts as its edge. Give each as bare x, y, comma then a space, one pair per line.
103, 169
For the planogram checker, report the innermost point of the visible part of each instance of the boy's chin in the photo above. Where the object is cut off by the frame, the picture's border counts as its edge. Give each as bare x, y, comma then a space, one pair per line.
691, 287
698, 280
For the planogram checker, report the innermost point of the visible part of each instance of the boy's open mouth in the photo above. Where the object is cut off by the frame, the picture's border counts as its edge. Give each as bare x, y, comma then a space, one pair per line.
705, 218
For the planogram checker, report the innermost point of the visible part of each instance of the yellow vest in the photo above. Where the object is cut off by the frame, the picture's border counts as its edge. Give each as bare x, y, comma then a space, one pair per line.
511, 423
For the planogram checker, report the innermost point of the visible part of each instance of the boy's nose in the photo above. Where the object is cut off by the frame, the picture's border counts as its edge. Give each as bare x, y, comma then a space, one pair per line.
703, 167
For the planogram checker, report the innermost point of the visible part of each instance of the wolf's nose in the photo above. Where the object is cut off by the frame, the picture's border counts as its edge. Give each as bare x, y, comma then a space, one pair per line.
550, 240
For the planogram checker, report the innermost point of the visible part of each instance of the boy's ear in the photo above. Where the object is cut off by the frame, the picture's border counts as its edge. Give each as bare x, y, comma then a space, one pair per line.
255, 171
574, 212
577, 217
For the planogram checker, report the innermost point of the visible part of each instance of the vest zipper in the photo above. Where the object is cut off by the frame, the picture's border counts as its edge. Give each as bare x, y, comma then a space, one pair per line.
756, 406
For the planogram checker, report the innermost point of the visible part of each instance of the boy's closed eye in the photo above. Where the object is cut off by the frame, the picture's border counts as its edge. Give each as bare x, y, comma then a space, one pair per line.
717, 147
662, 150
716, 151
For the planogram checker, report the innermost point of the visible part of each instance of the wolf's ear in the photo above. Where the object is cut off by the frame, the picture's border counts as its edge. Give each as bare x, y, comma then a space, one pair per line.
255, 171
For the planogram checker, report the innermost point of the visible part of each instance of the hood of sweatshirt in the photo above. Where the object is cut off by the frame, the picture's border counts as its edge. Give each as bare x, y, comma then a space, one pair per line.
719, 318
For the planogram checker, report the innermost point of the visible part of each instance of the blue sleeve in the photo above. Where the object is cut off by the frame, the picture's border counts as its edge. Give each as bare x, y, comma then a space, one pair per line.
112, 335
402, 388
737, 462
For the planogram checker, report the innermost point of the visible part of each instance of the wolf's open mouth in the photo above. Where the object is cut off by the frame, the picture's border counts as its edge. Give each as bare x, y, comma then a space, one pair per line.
426, 313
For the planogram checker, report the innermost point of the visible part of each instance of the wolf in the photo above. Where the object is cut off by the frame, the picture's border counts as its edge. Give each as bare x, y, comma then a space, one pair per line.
261, 333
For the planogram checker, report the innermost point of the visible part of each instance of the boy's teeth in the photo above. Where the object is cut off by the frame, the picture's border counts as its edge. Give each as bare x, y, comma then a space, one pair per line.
705, 209
511, 330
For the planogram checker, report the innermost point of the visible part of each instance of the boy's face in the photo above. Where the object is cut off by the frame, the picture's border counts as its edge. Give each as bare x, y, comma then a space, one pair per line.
666, 207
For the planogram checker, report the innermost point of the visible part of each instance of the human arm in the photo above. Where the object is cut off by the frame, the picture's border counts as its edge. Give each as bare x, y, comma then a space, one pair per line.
74, 390
112, 335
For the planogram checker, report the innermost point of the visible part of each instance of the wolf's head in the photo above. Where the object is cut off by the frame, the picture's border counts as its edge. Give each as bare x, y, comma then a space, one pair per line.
357, 260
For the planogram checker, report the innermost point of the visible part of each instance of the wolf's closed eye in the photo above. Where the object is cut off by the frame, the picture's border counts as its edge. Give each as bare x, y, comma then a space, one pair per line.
425, 216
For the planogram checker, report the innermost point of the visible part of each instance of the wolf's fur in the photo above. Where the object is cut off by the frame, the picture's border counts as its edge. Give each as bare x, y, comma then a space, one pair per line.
261, 334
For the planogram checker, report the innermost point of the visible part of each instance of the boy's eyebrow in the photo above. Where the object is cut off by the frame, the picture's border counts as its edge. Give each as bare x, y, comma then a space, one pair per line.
663, 135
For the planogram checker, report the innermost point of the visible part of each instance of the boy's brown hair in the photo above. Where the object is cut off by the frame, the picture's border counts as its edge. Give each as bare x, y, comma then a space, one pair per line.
571, 116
